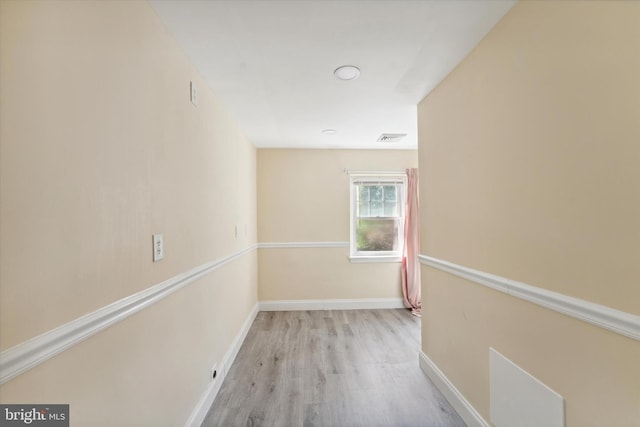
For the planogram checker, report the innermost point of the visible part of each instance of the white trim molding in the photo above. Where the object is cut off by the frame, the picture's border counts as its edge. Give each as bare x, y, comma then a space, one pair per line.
206, 400
24, 356
462, 406
231, 354
374, 173
332, 304
617, 321
374, 259
282, 245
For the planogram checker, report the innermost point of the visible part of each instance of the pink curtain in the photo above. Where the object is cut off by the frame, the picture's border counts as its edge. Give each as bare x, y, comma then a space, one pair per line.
410, 266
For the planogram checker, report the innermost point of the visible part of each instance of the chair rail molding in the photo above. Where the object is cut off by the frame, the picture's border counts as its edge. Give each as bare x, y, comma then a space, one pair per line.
617, 321
26, 355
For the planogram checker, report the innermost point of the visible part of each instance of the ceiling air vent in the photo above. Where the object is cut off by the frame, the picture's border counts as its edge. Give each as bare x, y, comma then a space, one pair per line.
391, 137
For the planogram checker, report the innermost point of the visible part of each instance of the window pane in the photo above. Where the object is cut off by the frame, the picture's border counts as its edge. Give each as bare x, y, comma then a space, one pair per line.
376, 209
363, 193
377, 235
389, 193
363, 208
375, 192
390, 209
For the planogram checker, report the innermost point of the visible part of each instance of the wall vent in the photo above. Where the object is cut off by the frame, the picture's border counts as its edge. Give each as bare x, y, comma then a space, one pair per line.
391, 137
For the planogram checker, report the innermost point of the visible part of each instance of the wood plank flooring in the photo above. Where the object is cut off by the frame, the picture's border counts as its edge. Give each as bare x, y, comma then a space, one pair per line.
330, 368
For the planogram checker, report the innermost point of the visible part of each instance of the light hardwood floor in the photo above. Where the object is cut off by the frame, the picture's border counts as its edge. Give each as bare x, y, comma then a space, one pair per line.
330, 368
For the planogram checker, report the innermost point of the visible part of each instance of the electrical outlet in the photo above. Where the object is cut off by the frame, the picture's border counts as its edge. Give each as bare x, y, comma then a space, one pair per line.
214, 373
158, 247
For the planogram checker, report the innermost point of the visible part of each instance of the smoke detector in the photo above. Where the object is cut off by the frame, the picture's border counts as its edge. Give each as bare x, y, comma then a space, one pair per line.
391, 137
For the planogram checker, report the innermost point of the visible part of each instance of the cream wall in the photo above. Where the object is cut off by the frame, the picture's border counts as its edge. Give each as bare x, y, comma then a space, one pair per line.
101, 148
303, 196
529, 157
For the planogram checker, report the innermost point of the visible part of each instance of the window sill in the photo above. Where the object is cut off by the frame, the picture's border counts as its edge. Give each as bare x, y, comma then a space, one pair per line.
360, 259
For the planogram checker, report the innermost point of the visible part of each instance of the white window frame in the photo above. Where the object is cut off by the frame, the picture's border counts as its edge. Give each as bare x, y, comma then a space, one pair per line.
382, 178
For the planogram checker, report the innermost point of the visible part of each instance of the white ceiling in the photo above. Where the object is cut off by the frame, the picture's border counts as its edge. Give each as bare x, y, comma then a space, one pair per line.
271, 62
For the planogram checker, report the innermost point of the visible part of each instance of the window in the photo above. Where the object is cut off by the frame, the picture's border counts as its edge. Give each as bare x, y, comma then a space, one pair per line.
377, 216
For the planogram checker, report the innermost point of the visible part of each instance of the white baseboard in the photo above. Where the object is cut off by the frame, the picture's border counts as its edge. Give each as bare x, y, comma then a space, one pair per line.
332, 304
206, 400
231, 354
466, 411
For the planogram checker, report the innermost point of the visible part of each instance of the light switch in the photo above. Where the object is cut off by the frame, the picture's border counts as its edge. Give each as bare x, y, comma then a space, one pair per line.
158, 247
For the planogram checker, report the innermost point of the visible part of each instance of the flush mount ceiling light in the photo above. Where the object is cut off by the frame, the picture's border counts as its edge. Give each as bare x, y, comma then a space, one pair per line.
329, 131
347, 72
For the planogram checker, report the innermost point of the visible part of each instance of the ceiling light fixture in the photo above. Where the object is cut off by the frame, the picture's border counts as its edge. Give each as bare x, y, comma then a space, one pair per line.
329, 131
347, 72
